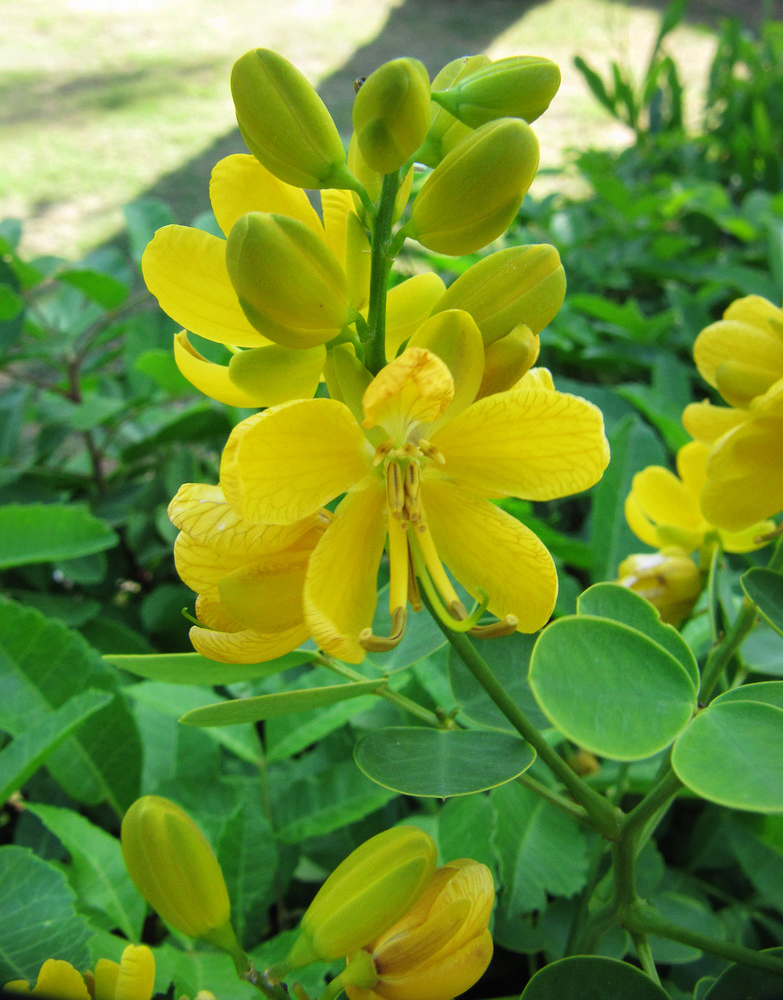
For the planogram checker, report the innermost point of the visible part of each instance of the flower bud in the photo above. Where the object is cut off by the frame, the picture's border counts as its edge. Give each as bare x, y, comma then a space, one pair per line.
445, 131
372, 182
519, 285
288, 282
442, 945
669, 579
176, 871
506, 360
286, 124
364, 895
517, 87
473, 194
391, 114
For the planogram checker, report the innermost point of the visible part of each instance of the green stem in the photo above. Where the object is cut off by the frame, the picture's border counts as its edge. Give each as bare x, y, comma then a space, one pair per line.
555, 799
604, 816
657, 799
380, 262
643, 950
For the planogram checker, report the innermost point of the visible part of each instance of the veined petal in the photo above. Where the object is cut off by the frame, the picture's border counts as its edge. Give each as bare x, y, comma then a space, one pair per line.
415, 388
487, 549
665, 500
408, 305
451, 974
267, 596
210, 378
745, 475
276, 374
536, 378
283, 464
734, 356
341, 584
454, 337
185, 269
530, 443
707, 423
240, 184
246, 646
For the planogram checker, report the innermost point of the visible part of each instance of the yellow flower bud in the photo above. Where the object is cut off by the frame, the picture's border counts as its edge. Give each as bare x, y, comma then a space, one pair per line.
517, 87
669, 579
519, 285
442, 945
506, 360
364, 895
289, 283
391, 114
176, 871
445, 131
473, 194
285, 124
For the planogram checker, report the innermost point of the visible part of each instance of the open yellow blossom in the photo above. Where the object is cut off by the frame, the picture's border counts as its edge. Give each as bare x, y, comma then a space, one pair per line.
664, 510
132, 979
419, 461
442, 945
249, 576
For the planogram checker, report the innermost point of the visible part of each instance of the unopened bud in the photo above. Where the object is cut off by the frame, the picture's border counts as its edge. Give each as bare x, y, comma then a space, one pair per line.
506, 360
285, 124
391, 114
445, 131
519, 285
288, 282
669, 580
372, 182
473, 194
517, 87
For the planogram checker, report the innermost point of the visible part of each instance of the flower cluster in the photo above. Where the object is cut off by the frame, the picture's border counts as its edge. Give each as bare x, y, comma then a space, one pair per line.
414, 407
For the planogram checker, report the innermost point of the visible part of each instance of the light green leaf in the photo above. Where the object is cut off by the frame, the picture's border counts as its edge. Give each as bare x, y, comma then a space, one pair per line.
28, 751
610, 600
727, 755
37, 532
464, 829
439, 763
609, 688
97, 870
196, 970
757, 842
766, 692
750, 984
38, 917
193, 668
765, 588
592, 978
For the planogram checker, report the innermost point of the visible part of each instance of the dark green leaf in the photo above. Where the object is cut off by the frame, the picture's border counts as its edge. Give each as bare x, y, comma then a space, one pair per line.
34, 533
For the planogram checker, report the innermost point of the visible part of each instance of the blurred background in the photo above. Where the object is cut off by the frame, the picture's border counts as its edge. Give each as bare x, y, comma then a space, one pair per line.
104, 102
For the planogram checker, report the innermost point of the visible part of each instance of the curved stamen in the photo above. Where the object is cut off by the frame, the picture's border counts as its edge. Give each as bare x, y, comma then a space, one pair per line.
383, 643
455, 616
503, 626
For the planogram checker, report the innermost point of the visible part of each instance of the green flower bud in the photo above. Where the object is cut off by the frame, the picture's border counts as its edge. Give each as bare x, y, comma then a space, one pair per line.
445, 131
518, 87
471, 197
391, 114
372, 182
367, 893
288, 282
176, 871
286, 124
506, 360
519, 285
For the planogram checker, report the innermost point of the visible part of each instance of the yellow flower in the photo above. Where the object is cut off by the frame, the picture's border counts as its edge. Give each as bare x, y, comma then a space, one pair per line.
442, 945
744, 468
249, 576
132, 979
419, 460
664, 510
742, 355
186, 270
669, 580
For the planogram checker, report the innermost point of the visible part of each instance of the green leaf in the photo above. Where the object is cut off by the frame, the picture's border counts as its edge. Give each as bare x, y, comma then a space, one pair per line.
35, 533
465, 827
592, 978
272, 706
97, 871
540, 850
142, 218
741, 981
193, 668
41, 737
609, 688
159, 365
685, 912
766, 692
326, 801
757, 843
102, 288
609, 600
102, 762
725, 755
38, 917
765, 588
439, 763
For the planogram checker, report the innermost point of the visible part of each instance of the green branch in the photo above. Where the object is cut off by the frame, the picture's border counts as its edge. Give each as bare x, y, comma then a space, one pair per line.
380, 262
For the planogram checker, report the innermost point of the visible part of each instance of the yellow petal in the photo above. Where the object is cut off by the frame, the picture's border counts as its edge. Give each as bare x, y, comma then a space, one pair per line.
506, 361
415, 388
454, 337
210, 378
745, 483
60, 979
665, 500
451, 975
105, 977
692, 467
757, 311
639, 523
707, 423
738, 358
136, 980
283, 464
276, 374
185, 269
341, 583
347, 239
17, 986
530, 443
246, 646
240, 184
408, 305
746, 540
487, 549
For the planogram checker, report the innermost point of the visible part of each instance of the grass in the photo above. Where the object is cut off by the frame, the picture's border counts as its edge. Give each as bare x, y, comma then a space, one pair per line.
103, 102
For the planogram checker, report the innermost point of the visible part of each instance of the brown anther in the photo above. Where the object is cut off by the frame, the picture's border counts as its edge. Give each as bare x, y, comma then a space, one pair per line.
458, 610
495, 630
431, 452
395, 490
412, 488
383, 643
382, 451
